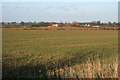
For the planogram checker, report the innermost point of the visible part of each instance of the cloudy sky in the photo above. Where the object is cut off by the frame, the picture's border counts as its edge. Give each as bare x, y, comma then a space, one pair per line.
60, 0
60, 11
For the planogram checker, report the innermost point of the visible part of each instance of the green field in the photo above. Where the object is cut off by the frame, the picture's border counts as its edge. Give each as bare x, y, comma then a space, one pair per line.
56, 53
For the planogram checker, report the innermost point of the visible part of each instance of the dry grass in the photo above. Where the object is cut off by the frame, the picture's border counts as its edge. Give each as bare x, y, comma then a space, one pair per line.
90, 69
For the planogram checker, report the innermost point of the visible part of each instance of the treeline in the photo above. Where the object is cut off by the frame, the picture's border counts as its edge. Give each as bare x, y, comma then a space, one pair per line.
40, 25
61, 24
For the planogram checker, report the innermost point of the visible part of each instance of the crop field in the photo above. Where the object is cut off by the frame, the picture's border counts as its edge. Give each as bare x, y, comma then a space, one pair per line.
59, 53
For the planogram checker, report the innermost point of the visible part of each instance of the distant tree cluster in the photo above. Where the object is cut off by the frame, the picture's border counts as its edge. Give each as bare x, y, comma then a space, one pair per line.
40, 25
61, 24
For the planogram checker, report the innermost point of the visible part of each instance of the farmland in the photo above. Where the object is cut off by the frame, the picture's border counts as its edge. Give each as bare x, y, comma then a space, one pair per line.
59, 53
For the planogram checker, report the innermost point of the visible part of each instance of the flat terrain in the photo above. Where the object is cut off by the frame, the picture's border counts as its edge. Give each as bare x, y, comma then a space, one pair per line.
57, 53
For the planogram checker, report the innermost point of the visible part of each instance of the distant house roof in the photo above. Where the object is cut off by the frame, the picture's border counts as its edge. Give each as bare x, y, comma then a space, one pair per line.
56, 25
83, 25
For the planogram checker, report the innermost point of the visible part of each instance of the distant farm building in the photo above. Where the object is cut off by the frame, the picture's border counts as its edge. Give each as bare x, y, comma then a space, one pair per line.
95, 26
86, 25
83, 26
54, 25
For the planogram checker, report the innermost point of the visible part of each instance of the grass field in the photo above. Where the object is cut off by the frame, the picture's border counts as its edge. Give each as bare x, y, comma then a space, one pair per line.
56, 53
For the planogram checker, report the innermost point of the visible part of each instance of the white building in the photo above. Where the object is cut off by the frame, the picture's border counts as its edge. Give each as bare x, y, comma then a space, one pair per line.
87, 25
95, 26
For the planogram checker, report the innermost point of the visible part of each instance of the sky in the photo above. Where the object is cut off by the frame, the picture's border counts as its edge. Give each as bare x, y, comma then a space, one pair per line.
60, 0
54, 11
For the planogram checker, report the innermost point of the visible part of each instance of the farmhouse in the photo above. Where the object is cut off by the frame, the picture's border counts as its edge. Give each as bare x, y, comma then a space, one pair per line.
54, 25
